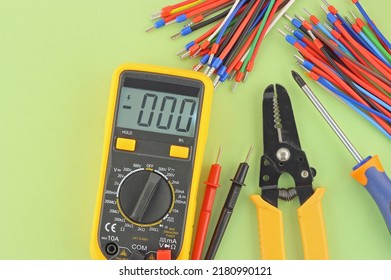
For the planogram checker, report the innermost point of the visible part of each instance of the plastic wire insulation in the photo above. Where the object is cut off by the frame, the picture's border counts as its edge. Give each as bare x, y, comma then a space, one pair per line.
358, 111
352, 33
353, 52
209, 21
320, 72
224, 21
345, 46
222, 7
282, 9
317, 53
370, 22
244, 48
222, 73
354, 70
231, 41
168, 10
241, 28
261, 30
376, 42
372, 48
367, 54
256, 45
334, 14
328, 34
364, 84
228, 60
320, 36
196, 46
245, 9
236, 60
375, 98
375, 81
330, 86
205, 8
229, 19
345, 88
263, 23
349, 81
188, 5
380, 40
363, 67
195, 9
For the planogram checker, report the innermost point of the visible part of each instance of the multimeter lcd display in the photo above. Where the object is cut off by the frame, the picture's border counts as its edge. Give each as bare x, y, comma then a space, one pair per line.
156, 111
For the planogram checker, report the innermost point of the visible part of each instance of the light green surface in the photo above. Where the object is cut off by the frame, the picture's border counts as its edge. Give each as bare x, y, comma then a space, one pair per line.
56, 62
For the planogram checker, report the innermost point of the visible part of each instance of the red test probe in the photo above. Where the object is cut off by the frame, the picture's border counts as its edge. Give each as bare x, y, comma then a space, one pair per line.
203, 222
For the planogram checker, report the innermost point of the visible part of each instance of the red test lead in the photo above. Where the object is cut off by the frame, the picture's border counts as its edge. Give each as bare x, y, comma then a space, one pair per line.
203, 222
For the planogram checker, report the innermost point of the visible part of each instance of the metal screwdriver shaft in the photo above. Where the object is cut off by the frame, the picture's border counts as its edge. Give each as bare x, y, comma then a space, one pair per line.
368, 172
306, 89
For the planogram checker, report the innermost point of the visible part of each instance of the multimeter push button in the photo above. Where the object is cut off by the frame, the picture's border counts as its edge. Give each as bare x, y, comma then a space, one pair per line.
179, 151
125, 144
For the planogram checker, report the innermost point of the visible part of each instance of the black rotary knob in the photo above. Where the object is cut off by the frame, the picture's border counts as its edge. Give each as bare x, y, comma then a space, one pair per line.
145, 197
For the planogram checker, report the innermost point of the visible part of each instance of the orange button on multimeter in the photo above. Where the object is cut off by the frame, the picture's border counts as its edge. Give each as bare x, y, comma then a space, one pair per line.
156, 129
125, 144
179, 151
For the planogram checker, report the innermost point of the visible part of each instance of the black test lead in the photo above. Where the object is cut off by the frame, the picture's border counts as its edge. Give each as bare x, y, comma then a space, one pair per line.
226, 212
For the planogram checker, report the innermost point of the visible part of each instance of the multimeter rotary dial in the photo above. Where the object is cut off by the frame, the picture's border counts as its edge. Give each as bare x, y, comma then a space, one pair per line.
145, 197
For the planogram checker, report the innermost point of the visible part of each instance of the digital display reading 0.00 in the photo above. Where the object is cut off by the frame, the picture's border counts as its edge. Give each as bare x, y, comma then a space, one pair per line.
155, 111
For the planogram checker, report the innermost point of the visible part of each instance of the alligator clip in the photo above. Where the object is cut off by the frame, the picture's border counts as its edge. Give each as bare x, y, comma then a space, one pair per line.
283, 154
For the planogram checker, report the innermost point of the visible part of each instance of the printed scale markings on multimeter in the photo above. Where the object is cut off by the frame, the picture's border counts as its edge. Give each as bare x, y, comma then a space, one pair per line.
156, 131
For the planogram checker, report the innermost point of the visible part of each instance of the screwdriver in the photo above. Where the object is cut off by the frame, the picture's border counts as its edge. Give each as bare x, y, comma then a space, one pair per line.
226, 212
369, 172
203, 222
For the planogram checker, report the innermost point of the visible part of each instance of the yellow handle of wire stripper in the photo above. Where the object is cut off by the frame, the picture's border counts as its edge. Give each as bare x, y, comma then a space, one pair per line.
311, 222
270, 230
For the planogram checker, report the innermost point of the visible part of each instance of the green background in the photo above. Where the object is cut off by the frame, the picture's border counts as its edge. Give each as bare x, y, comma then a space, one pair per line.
56, 63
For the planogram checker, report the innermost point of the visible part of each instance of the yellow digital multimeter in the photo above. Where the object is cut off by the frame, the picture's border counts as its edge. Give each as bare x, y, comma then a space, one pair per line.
156, 129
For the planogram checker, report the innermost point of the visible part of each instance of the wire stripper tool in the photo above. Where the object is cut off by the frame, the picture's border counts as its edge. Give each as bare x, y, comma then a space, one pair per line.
283, 154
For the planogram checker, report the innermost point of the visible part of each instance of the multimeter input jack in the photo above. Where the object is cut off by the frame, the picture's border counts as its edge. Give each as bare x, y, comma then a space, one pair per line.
111, 249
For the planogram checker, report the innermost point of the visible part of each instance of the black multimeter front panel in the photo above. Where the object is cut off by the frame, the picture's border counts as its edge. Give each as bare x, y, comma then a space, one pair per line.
150, 165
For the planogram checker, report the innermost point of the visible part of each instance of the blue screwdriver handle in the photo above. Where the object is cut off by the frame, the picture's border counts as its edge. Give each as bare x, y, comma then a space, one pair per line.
370, 173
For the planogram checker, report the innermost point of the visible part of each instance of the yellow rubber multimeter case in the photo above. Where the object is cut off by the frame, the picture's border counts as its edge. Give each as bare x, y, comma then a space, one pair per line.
155, 136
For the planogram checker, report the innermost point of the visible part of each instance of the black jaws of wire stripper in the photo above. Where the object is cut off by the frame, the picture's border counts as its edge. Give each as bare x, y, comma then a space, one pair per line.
283, 154
282, 151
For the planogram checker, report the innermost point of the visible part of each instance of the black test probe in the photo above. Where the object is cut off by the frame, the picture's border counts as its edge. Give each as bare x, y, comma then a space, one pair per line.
226, 212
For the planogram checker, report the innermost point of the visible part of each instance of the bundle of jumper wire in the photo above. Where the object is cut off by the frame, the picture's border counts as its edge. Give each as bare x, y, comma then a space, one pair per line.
350, 59
235, 32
